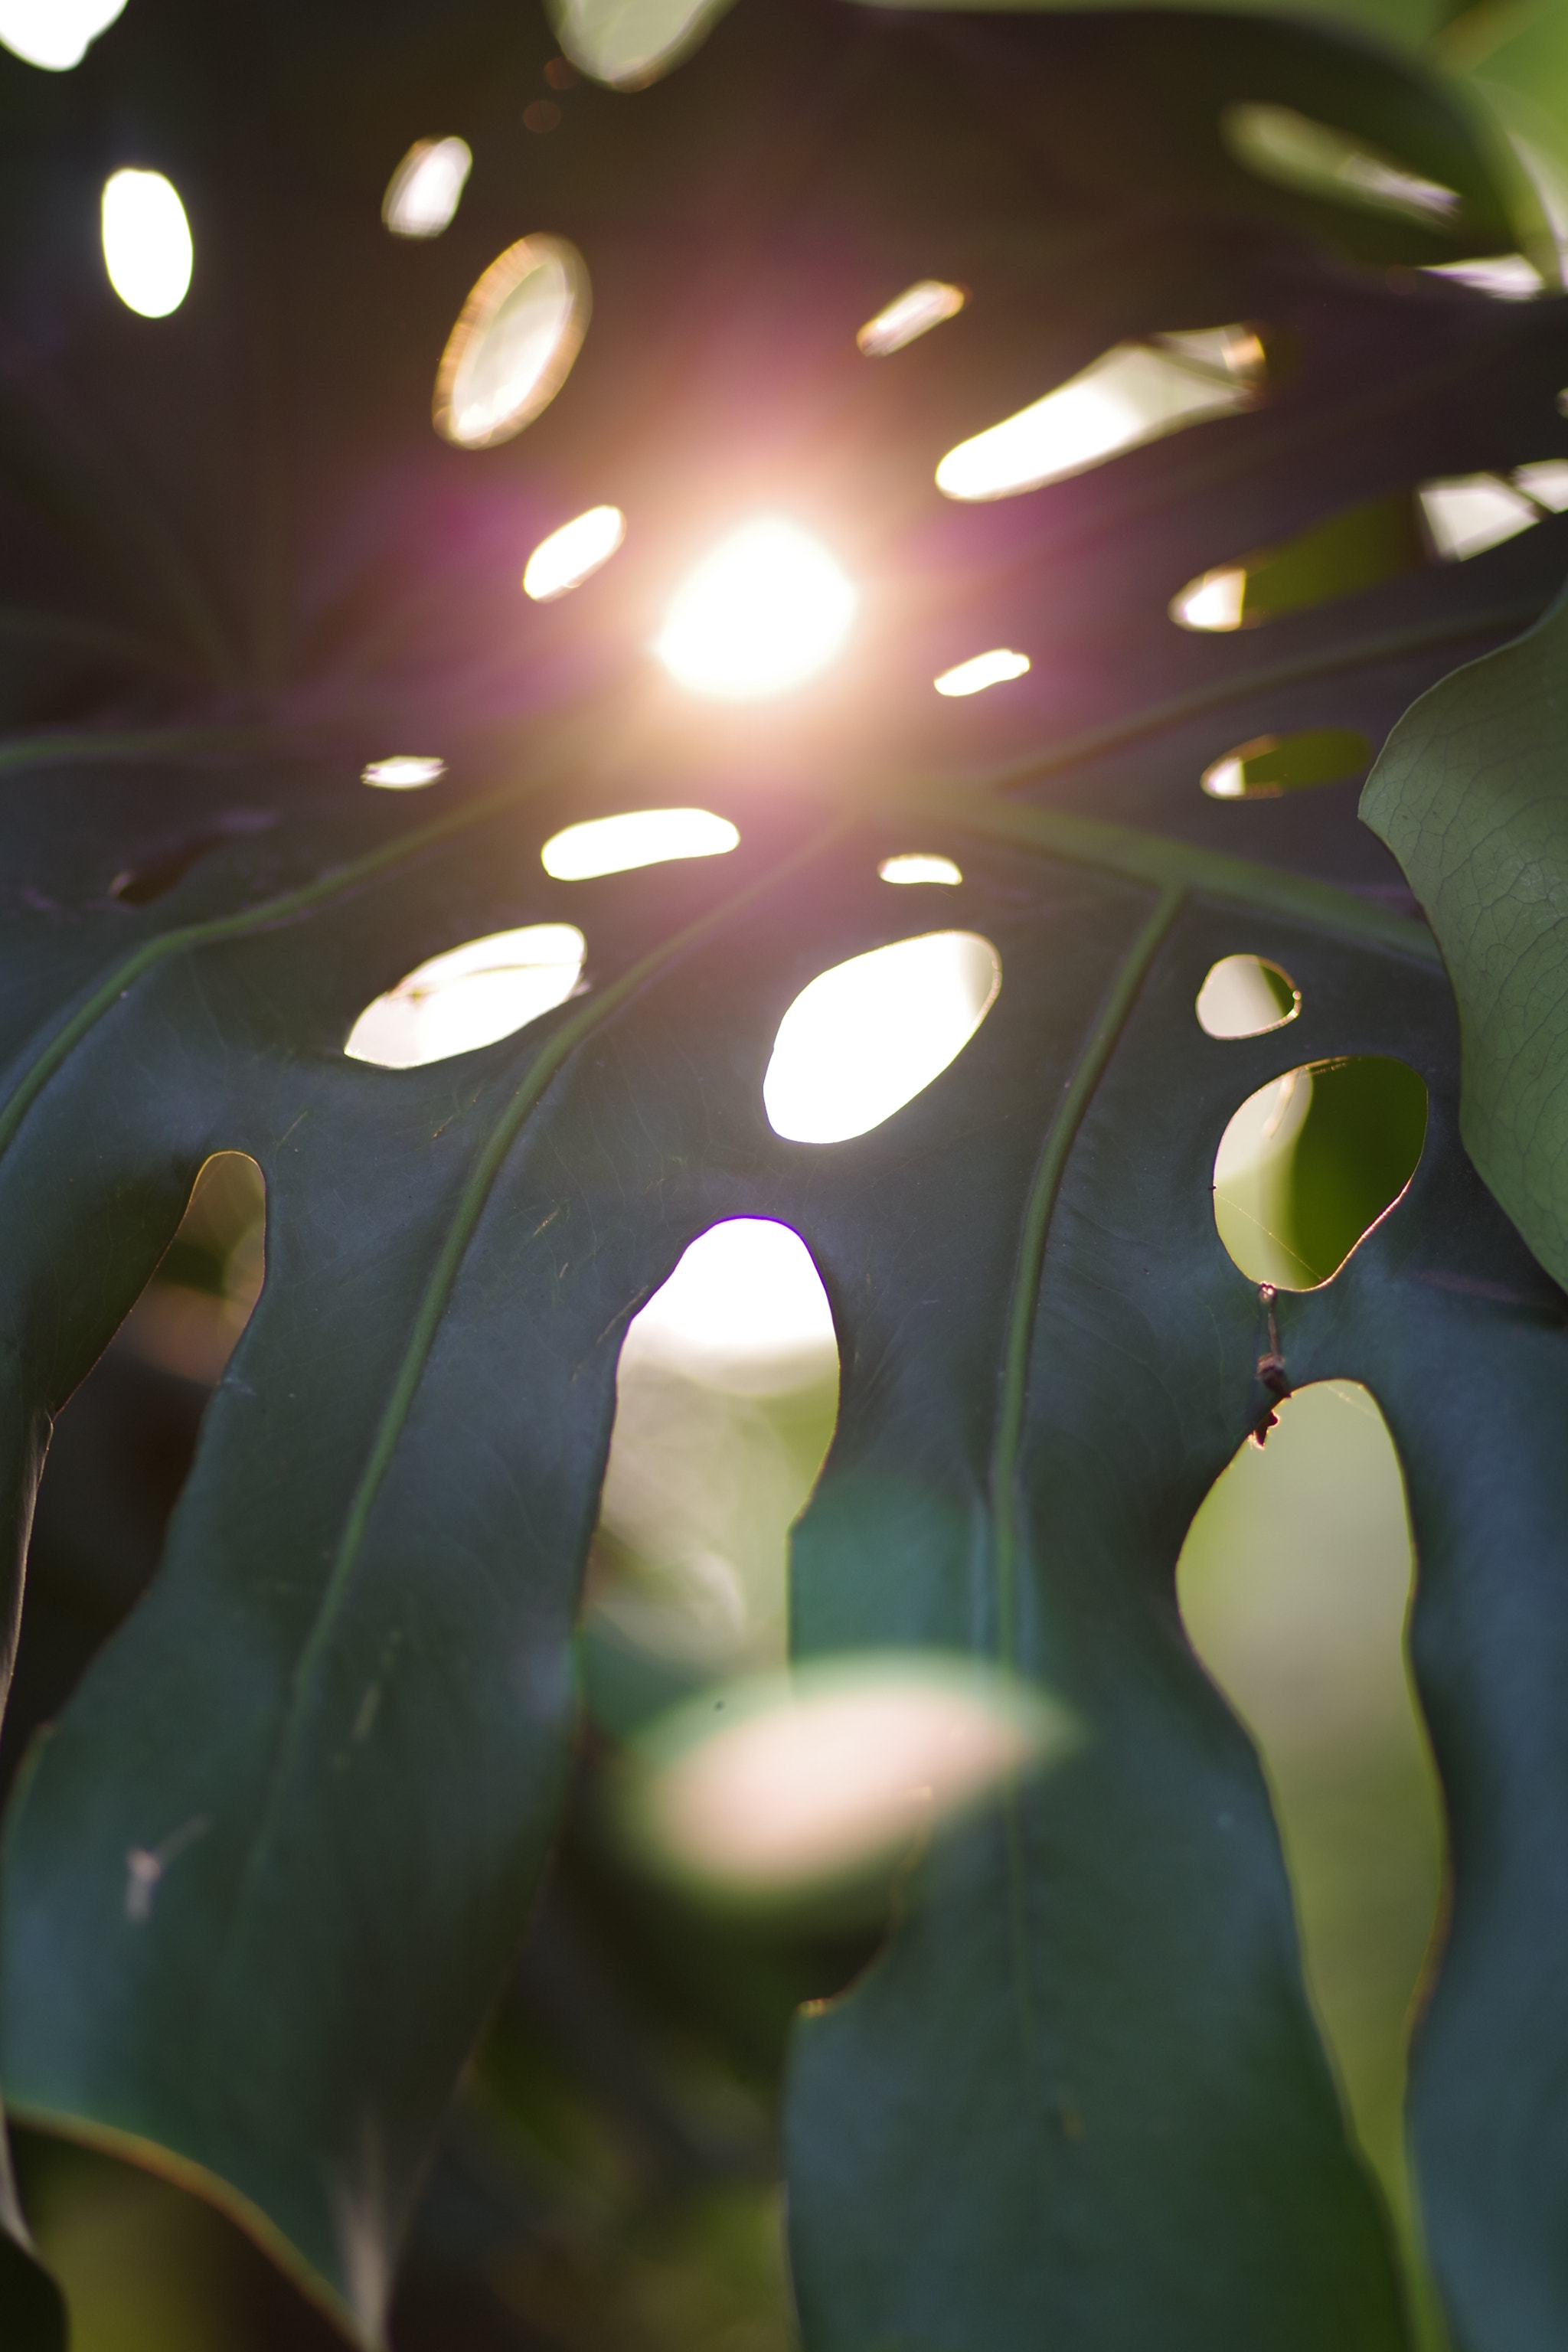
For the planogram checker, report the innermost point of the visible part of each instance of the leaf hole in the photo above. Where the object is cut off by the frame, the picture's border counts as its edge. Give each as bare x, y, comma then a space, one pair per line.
727, 1392
189, 1319
912, 314
422, 194
1133, 393
1294, 1584
616, 844
1243, 996
1272, 765
1357, 549
513, 346
1311, 1161
1316, 159
472, 995
864, 1038
919, 865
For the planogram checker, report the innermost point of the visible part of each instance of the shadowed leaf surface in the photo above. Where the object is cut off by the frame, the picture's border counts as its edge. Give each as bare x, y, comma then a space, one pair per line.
263, 1880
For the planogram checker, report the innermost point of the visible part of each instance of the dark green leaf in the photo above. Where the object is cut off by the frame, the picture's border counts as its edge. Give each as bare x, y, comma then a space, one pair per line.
263, 1880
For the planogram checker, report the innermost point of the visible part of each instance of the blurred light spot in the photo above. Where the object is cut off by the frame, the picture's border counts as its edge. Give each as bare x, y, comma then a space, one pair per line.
974, 676
189, 1317
1244, 997
1133, 393
406, 771
1506, 277
541, 115
614, 845
512, 347
866, 1037
766, 610
629, 43
1273, 764
423, 193
1470, 512
794, 1781
1292, 150
1294, 1584
915, 312
560, 74
55, 34
469, 997
146, 243
744, 1309
918, 865
1309, 1163
569, 555
1213, 602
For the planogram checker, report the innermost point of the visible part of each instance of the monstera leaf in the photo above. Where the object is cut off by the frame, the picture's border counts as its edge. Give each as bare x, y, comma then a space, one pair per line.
263, 1878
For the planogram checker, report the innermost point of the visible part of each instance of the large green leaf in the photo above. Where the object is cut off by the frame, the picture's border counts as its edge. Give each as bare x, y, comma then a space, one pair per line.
263, 1879
1468, 795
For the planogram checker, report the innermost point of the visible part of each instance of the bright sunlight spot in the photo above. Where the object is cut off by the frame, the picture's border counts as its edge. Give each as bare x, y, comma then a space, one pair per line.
1133, 393
744, 1309
767, 610
512, 347
423, 193
146, 243
974, 677
406, 771
567, 558
812, 1777
468, 997
919, 865
55, 34
1244, 997
866, 1037
614, 845
915, 312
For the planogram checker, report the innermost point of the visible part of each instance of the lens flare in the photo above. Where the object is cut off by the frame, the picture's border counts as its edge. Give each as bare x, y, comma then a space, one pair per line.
766, 610
571, 554
147, 247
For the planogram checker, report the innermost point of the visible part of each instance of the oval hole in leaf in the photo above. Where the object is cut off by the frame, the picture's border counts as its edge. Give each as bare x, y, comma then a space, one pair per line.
616, 844
1293, 1584
470, 997
190, 1316
423, 194
1133, 393
1244, 997
52, 36
573, 554
997, 667
866, 1037
919, 865
727, 1391
1271, 765
1355, 550
512, 347
1309, 1163
913, 313
147, 247
630, 42
405, 771
794, 1784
